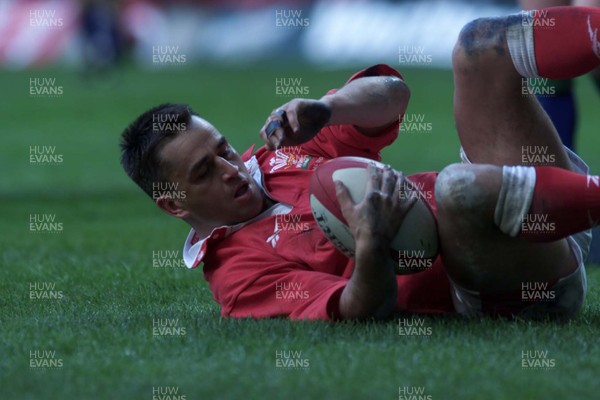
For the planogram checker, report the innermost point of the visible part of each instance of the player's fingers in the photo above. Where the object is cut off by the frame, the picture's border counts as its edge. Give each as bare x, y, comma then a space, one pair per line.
265, 139
402, 187
374, 182
345, 200
389, 180
269, 141
263, 132
273, 130
292, 118
277, 137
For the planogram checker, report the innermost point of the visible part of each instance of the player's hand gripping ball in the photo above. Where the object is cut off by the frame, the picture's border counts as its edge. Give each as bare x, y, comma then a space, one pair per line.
415, 245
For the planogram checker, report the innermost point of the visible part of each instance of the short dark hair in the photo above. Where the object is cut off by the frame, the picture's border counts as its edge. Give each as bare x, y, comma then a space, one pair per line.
142, 140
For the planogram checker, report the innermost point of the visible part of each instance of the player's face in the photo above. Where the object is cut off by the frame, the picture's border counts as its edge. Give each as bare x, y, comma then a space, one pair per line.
218, 189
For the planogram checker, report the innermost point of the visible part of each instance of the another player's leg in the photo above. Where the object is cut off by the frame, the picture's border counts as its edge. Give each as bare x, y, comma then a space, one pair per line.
498, 125
497, 121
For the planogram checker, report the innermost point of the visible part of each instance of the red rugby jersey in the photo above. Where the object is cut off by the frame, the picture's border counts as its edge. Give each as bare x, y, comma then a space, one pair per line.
279, 264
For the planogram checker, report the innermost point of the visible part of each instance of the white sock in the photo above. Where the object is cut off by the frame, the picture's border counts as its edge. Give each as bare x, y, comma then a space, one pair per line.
519, 37
514, 199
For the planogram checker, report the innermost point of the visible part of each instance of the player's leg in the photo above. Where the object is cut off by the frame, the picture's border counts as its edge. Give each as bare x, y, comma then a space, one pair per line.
495, 122
509, 209
491, 252
471, 241
556, 97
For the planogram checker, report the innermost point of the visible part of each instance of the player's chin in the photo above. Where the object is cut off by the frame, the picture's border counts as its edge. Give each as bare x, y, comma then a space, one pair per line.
248, 204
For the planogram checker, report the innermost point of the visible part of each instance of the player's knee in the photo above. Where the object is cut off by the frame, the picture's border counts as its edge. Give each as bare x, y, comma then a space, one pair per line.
453, 185
480, 41
458, 189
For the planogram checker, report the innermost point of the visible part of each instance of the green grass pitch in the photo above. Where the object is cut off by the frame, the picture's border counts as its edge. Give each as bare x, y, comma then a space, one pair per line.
99, 335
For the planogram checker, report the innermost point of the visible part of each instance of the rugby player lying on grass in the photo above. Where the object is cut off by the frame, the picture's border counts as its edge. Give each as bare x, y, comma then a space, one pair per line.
232, 202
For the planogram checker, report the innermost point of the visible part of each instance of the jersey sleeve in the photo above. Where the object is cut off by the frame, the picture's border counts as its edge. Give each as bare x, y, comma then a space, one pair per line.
347, 140
262, 288
295, 294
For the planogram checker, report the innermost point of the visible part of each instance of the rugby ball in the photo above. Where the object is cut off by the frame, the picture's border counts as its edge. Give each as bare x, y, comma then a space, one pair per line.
417, 237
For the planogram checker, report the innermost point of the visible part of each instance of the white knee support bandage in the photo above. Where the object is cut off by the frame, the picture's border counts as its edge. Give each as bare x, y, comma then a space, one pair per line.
514, 199
519, 36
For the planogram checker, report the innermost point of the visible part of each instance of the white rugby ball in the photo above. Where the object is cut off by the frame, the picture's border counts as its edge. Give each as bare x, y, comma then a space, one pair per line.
417, 236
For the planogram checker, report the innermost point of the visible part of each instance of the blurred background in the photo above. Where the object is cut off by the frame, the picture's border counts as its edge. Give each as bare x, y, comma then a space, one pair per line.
96, 34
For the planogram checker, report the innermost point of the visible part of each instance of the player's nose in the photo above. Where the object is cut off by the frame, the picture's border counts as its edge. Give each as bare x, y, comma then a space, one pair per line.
229, 169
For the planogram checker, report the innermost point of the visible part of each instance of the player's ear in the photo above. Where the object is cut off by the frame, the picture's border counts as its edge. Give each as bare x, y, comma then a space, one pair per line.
173, 207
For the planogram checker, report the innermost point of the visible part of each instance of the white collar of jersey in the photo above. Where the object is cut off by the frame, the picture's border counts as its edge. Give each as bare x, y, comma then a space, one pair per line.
193, 253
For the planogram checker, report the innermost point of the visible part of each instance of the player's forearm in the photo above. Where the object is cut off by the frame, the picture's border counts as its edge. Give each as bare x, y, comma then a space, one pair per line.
372, 289
369, 102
